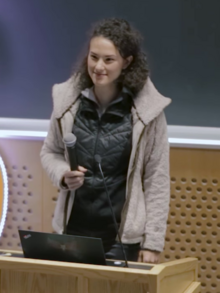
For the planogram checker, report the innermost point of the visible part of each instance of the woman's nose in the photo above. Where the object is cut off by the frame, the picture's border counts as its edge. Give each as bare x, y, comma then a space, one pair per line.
99, 65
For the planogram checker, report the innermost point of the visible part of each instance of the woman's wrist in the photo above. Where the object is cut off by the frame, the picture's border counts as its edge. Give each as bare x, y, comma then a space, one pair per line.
151, 250
63, 183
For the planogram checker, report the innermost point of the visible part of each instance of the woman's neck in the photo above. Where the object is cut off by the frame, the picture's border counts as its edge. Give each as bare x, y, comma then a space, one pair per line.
105, 95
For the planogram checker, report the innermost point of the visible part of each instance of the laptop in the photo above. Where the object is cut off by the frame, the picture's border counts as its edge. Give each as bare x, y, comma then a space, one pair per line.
68, 248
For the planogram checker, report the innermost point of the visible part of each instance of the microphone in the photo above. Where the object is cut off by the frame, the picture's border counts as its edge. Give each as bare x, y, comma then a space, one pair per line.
98, 160
69, 140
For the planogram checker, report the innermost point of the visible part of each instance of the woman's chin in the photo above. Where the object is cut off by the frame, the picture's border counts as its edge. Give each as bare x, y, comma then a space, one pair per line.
100, 83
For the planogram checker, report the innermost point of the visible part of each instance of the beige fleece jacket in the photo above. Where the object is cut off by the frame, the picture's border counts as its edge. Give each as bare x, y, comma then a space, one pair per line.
145, 212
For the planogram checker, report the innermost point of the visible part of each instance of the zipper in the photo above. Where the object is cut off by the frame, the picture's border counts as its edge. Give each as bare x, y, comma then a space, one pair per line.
96, 141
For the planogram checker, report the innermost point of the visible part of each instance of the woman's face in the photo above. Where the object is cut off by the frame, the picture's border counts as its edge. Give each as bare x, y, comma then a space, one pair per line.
104, 62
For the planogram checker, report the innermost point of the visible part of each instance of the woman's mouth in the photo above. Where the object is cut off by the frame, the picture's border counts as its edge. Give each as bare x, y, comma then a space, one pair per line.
100, 74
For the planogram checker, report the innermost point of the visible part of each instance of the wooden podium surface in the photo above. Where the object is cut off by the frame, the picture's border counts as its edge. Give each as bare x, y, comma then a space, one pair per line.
22, 275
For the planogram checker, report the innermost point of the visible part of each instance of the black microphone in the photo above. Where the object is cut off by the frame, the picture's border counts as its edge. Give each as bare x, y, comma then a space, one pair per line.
69, 140
98, 160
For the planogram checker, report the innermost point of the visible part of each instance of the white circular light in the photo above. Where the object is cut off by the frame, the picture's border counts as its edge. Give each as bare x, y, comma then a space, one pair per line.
3, 173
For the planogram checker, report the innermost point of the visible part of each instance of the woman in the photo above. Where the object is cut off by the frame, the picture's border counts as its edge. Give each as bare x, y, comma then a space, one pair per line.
114, 110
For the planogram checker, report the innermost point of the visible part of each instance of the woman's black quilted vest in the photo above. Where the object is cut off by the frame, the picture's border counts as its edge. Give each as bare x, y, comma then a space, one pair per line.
110, 136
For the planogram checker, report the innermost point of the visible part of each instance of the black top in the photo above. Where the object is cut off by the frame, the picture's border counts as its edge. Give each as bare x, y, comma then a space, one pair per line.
110, 136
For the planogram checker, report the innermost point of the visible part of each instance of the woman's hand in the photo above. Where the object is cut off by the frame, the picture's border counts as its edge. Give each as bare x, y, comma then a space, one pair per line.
74, 179
149, 256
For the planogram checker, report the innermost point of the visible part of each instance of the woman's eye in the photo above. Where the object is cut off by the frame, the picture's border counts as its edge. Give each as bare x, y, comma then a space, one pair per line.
93, 57
109, 59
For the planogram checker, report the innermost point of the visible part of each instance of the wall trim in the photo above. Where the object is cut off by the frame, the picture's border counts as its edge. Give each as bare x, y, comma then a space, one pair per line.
179, 136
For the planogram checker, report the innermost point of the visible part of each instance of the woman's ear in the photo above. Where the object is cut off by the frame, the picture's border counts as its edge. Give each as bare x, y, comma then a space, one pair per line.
127, 61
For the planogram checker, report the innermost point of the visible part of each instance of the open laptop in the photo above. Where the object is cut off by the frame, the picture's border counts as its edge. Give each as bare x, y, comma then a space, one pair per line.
68, 248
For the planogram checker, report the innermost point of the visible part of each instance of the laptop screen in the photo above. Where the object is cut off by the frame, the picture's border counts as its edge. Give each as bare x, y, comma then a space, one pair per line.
68, 248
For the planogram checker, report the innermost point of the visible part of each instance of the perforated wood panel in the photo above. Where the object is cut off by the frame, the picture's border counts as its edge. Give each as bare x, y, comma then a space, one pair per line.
26, 190
194, 220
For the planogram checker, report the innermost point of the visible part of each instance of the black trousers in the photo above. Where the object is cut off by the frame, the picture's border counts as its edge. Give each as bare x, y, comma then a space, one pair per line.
131, 251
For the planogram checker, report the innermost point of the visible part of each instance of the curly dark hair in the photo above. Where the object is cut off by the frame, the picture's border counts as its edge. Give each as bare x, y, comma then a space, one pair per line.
128, 41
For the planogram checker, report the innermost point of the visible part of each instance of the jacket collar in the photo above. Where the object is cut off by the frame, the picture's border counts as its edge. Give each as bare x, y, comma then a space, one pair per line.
64, 96
148, 104
89, 94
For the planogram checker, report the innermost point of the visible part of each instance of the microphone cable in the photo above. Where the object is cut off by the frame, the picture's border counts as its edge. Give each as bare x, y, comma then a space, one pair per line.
98, 161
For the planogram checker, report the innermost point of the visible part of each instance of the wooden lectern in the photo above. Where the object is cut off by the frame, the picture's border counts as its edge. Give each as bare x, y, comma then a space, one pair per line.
22, 275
